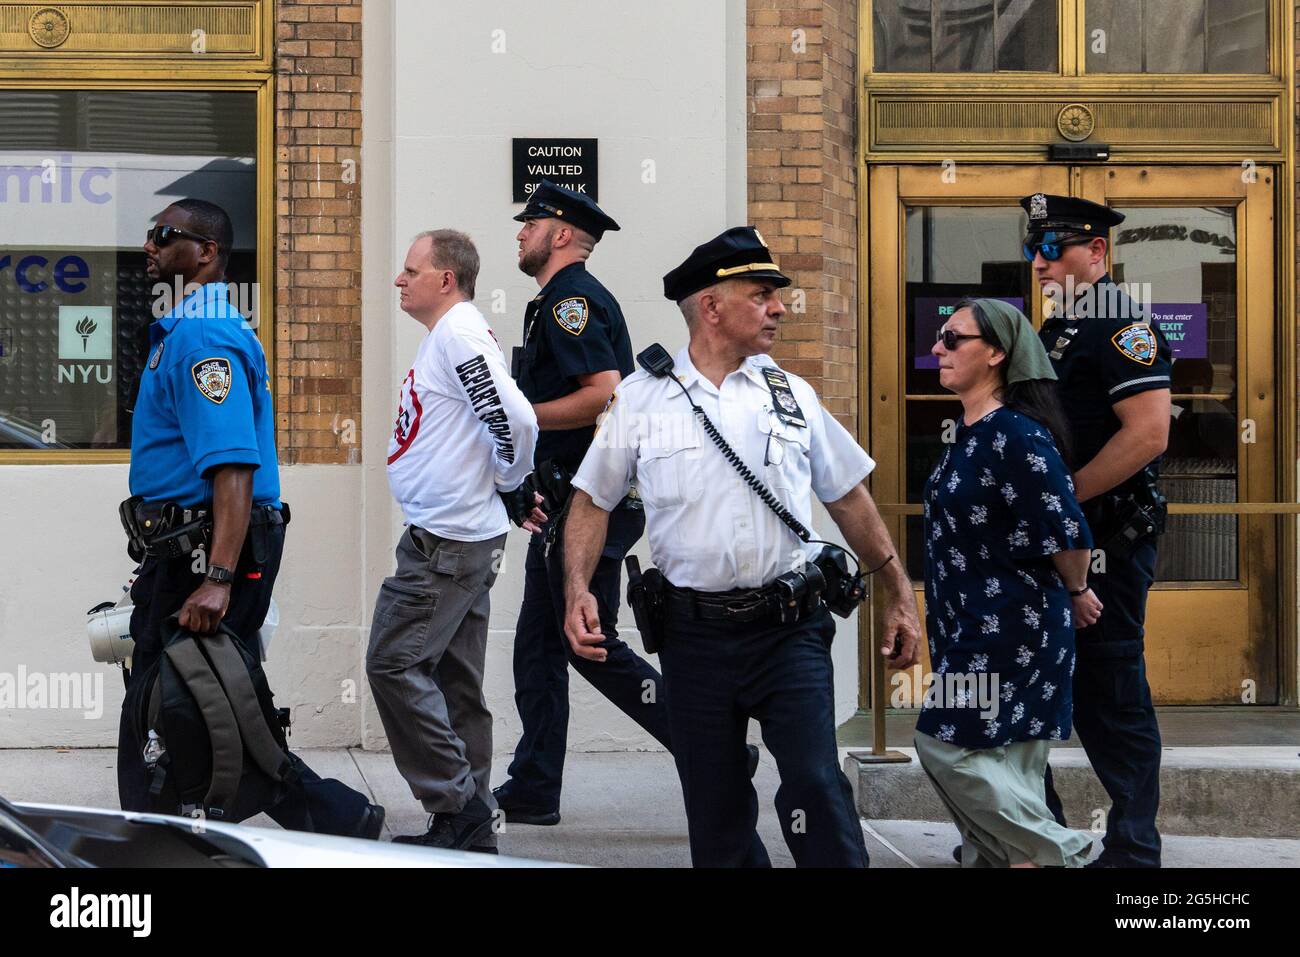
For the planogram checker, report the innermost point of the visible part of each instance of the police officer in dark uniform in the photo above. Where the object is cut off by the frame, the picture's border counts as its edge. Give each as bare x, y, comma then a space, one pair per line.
203, 467
1113, 368
576, 350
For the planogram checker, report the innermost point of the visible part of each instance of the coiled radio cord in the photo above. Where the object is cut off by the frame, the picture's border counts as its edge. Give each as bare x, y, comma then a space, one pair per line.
765, 494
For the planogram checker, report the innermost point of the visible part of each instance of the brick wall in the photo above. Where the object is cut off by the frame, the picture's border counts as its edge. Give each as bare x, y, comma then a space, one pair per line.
801, 132
318, 229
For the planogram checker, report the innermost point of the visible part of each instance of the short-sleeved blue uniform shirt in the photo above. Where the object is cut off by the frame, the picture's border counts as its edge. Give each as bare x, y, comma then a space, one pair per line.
997, 615
1112, 355
204, 401
573, 327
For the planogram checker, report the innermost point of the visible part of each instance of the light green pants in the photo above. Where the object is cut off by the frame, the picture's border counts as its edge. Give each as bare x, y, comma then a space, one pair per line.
995, 796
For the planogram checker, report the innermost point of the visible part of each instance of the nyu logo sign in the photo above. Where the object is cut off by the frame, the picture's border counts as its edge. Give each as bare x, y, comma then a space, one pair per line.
53, 182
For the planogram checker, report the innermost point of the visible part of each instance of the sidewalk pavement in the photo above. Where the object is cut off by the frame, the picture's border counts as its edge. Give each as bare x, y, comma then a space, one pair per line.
621, 809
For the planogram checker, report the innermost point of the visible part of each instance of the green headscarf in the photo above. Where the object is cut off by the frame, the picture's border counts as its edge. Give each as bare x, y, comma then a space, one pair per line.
1026, 357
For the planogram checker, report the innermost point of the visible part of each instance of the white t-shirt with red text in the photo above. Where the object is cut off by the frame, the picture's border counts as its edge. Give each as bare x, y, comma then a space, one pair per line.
464, 430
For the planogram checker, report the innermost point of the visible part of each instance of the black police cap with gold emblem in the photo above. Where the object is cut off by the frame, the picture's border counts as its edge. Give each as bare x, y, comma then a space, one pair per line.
549, 201
1047, 212
739, 253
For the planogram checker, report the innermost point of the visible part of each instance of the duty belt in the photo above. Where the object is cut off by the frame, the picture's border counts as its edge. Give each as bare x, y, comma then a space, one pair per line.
741, 605
168, 530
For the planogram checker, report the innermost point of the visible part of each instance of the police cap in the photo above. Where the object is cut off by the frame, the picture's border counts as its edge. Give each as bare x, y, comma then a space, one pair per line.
549, 201
1047, 212
739, 253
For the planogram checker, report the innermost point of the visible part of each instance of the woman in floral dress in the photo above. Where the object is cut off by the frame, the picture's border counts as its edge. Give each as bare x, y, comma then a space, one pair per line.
1006, 562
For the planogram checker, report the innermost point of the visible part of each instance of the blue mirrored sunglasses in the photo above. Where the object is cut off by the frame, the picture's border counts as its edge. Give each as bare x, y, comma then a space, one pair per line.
1051, 244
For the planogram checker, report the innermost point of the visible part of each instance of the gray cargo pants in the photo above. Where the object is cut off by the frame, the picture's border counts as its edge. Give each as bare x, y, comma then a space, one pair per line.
425, 665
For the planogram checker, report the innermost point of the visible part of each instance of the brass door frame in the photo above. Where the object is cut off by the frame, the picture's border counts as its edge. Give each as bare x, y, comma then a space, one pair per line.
1266, 552
1003, 94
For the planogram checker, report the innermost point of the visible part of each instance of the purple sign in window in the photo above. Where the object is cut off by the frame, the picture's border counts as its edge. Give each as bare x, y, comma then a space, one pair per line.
1185, 326
931, 314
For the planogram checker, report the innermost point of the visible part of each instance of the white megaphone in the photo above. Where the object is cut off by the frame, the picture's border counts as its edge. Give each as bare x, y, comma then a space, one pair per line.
109, 629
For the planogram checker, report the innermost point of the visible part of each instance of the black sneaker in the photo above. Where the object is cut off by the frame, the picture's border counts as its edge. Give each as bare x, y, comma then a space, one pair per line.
458, 832
524, 813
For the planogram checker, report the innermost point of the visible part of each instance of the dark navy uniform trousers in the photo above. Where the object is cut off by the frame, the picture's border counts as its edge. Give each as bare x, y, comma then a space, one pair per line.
1113, 713
325, 806
542, 657
721, 674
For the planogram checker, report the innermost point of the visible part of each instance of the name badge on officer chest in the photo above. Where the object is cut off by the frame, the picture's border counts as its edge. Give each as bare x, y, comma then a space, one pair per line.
783, 400
1063, 342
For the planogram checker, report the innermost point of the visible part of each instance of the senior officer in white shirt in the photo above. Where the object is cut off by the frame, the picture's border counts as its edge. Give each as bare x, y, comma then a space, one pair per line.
465, 436
734, 646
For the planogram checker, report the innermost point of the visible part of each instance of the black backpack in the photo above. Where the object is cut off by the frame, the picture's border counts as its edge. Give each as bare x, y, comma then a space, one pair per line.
221, 751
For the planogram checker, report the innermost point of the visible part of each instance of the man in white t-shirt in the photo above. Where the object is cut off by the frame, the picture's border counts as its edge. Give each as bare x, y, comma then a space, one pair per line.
464, 438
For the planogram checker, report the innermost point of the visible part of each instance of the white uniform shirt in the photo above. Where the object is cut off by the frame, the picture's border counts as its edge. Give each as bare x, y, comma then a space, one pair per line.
464, 430
707, 529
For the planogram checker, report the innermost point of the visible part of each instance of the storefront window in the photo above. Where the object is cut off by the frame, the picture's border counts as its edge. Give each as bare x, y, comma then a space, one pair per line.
965, 36
1177, 36
83, 174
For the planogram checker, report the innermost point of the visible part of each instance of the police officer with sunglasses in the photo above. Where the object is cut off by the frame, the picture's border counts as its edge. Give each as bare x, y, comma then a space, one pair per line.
205, 519
1113, 368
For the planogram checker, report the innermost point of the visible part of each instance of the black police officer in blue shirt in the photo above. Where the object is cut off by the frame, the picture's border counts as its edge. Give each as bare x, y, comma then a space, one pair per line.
1113, 369
203, 438
576, 350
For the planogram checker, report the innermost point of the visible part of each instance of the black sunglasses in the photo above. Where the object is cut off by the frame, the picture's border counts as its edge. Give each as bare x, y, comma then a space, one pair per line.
951, 339
1052, 245
162, 236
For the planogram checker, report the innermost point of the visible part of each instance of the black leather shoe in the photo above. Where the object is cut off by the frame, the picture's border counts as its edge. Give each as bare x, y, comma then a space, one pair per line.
524, 813
371, 823
457, 832
753, 760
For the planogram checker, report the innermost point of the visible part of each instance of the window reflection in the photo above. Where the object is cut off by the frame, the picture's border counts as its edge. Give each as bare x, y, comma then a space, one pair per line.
952, 252
1177, 36
965, 36
1184, 259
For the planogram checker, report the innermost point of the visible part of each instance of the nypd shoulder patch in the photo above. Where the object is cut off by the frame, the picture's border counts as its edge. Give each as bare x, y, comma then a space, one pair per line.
213, 378
571, 314
1136, 342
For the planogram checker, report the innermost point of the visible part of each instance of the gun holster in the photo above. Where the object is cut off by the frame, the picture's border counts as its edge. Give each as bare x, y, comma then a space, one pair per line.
645, 596
1126, 521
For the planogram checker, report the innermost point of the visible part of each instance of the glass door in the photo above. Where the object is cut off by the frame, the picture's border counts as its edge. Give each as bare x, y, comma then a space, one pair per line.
939, 233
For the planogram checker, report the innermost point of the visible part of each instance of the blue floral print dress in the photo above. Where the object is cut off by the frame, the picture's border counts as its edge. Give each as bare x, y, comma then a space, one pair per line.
997, 507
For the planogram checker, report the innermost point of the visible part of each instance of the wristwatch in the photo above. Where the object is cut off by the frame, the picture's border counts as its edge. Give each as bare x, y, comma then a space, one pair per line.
220, 575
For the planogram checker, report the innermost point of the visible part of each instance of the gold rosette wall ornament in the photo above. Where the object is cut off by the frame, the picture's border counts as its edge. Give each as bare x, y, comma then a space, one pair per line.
1075, 122
49, 27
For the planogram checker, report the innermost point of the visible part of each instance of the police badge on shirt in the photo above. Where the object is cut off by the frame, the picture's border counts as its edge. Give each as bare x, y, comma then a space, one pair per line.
571, 314
1136, 342
213, 378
